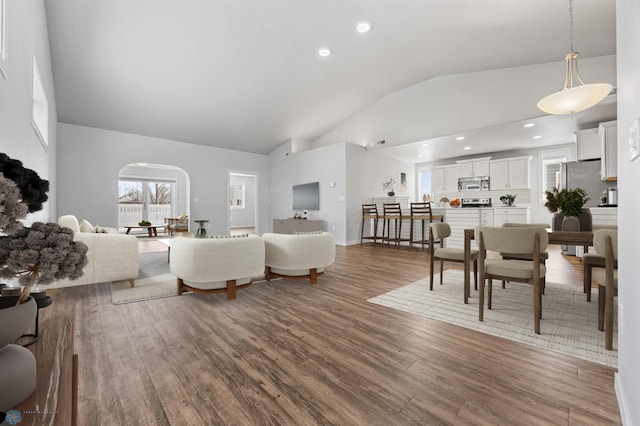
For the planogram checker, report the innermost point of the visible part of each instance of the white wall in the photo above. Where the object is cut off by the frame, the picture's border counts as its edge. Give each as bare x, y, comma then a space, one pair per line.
628, 48
244, 217
325, 165
90, 159
462, 102
26, 36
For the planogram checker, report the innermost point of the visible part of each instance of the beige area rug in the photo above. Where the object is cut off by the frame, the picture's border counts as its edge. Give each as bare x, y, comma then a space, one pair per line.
569, 323
155, 287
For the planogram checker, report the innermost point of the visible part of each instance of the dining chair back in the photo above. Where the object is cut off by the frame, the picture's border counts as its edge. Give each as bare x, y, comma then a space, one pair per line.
605, 243
438, 232
523, 241
420, 212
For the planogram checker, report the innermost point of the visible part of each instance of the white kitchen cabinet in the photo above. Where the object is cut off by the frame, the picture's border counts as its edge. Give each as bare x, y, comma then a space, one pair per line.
606, 216
473, 168
460, 219
510, 173
588, 144
444, 179
510, 215
608, 134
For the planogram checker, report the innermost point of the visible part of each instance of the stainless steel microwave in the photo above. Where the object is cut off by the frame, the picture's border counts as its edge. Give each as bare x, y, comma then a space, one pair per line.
478, 183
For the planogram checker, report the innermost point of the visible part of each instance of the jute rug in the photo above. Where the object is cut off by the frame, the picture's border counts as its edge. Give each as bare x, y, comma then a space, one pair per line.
154, 281
569, 323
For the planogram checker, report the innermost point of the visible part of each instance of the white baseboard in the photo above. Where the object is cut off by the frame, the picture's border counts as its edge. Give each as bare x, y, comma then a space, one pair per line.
622, 401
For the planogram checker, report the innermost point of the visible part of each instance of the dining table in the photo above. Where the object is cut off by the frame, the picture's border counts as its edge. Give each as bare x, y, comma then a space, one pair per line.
572, 238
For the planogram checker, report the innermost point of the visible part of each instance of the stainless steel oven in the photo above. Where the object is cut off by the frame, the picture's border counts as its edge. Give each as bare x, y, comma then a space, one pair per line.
478, 183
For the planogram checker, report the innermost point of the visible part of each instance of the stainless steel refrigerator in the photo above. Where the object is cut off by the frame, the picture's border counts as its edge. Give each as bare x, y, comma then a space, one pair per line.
585, 175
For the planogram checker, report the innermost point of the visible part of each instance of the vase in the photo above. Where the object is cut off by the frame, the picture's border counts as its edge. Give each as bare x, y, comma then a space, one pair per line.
556, 222
17, 364
391, 193
571, 224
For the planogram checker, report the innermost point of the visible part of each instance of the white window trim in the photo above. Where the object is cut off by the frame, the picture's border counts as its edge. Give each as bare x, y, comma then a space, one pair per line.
40, 108
3, 39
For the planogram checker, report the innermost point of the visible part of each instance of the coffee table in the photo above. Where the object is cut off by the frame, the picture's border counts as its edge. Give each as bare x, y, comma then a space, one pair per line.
152, 230
167, 242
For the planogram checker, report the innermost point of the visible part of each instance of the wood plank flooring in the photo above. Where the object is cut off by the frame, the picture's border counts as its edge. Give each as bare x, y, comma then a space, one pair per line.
288, 353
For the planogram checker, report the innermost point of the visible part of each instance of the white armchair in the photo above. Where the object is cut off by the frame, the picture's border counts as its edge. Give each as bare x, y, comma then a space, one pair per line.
112, 257
295, 256
216, 265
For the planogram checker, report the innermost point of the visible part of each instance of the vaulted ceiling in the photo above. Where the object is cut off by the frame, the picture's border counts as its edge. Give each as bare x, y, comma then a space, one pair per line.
245, 74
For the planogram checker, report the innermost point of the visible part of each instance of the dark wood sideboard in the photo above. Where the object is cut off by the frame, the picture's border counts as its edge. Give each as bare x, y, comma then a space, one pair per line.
55, 400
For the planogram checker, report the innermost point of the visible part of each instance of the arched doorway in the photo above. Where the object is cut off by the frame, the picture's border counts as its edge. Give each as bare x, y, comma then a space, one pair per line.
151, 192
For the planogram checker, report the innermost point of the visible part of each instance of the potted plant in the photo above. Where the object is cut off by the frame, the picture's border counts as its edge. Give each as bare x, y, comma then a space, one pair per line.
39, 254
389, 185
508, 199
569, 203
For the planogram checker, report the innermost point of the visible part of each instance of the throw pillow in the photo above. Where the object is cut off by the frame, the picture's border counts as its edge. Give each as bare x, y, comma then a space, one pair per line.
85, 226
100, 230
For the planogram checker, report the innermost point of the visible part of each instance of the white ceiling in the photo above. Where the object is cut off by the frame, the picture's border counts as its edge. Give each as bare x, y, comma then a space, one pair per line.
245, 75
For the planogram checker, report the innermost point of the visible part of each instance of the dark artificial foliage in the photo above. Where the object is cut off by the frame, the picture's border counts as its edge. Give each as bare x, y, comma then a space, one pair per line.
42, 254
11, 208
32, 188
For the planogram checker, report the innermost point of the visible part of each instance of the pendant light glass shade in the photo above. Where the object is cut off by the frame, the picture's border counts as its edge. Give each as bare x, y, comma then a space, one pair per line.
574, 98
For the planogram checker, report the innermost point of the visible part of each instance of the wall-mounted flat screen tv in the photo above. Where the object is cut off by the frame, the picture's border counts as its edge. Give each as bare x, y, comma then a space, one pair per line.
306, 196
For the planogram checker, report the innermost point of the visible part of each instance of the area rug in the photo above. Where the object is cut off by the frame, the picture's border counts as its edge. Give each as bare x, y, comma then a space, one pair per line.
569, 324
154, 281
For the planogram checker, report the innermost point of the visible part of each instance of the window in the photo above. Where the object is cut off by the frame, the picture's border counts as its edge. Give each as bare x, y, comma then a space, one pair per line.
424, 185
40, 112
3, 40
237, 196
550, 164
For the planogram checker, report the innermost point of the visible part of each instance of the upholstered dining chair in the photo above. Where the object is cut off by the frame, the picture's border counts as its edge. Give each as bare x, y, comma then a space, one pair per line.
543, 256
520, 241
593, 260
605, 243
438, 232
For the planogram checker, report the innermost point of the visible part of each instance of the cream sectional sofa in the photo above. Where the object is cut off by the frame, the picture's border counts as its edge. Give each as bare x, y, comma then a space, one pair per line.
300, 255
216, 265
112, 256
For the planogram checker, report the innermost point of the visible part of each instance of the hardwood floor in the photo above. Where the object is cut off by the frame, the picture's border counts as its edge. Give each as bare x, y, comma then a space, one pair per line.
287, 352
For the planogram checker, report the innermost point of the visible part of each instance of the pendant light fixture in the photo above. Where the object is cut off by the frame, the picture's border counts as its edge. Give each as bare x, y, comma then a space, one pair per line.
574, 98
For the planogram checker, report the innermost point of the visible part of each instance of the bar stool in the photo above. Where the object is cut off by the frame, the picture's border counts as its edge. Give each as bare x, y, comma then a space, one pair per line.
421, 212
392, 212
369, 213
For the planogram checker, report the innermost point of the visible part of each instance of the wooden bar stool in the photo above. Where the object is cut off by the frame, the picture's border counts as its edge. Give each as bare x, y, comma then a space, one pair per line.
421, 212
392, 212
370, 213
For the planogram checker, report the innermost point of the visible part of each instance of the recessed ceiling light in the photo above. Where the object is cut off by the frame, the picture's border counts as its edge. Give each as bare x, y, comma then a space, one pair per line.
460, 138
529, 124
537, 137
420, 155
324, 52
363, 27
425, 144
467, 147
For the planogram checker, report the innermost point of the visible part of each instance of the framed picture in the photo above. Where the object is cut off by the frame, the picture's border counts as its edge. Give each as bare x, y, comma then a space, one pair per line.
402, 182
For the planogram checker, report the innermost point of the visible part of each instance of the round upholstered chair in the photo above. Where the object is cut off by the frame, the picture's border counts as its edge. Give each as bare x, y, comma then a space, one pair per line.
296, 256
216, 265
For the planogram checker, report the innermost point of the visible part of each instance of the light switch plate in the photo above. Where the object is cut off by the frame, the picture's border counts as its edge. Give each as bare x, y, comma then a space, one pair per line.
634, 139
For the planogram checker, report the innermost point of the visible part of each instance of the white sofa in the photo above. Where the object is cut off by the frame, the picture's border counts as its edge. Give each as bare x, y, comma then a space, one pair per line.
111, 256
216, 265
301, 255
